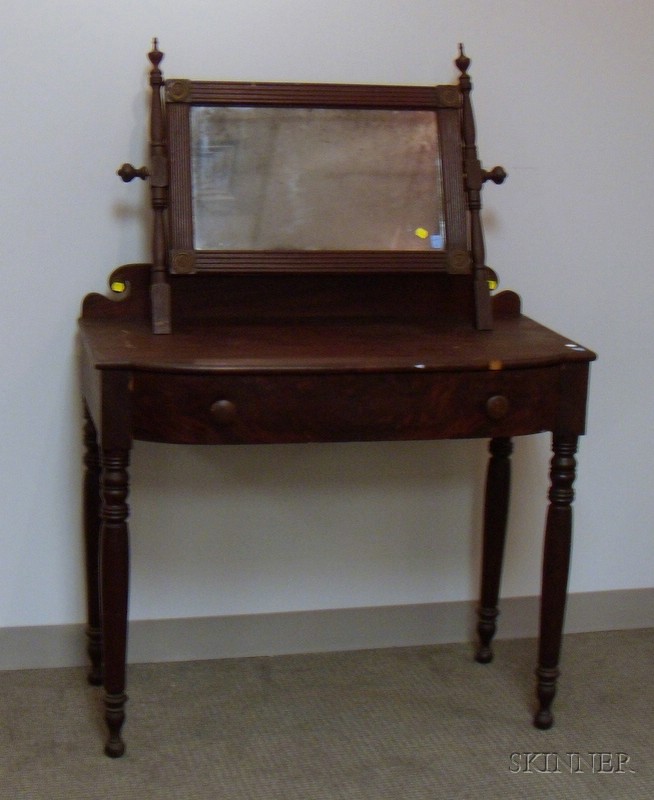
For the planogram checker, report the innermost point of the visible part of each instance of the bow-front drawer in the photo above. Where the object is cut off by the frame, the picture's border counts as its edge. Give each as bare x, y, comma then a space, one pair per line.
331, 407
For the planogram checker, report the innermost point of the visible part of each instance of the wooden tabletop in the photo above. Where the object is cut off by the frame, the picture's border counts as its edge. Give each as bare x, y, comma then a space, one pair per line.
286, 345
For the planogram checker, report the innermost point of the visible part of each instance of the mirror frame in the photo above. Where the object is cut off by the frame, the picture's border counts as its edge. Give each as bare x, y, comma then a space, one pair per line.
444, 100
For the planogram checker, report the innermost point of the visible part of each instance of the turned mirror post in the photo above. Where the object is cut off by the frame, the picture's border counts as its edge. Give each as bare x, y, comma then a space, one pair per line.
158, 175
475, 177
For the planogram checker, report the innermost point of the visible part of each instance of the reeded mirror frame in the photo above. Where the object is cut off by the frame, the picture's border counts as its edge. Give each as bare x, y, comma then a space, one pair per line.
182, 96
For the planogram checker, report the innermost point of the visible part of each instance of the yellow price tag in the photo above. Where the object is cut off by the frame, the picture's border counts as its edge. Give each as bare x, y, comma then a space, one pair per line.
421, 233
118, 286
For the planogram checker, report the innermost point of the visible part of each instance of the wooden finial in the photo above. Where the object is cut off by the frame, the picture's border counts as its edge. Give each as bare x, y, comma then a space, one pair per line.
155, 55
462, 62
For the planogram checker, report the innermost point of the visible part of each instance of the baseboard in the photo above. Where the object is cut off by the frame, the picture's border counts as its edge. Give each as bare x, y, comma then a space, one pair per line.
319, 631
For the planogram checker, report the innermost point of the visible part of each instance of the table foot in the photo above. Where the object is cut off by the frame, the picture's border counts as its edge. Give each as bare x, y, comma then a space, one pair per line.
546, 691
486, 628
114, 748
543, 719
484, 655
114, 716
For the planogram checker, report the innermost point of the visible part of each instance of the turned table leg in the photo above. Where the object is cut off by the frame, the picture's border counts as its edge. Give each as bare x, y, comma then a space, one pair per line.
556, 563
91, 495
496, 508
114, 578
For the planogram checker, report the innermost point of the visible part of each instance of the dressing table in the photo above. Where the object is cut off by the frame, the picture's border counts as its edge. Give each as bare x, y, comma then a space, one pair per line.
318, 275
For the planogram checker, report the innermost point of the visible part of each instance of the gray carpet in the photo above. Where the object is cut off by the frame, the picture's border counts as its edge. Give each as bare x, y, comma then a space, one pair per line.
398, 724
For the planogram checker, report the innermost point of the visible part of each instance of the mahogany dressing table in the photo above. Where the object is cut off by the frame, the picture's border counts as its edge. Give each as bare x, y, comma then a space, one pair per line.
318, 275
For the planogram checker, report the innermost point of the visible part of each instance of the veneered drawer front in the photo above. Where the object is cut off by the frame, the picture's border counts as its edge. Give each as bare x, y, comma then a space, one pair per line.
248, 409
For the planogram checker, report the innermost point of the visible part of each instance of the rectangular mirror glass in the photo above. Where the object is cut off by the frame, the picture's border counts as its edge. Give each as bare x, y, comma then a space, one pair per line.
335, 179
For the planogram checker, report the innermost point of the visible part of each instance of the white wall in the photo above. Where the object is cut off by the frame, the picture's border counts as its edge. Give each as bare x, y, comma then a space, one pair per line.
563, 100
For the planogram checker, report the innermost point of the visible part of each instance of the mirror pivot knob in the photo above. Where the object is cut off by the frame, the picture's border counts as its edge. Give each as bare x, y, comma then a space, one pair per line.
497, 175
128, 172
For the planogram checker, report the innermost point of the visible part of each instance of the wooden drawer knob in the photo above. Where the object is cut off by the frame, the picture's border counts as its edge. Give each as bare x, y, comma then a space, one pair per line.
497, 406
223, 412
